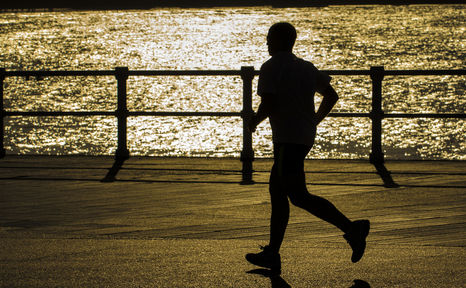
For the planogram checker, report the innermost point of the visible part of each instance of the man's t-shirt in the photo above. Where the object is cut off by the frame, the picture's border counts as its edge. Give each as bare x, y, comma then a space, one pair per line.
291, 82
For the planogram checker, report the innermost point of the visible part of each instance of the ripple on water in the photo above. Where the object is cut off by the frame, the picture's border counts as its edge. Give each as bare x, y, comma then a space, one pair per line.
337, 37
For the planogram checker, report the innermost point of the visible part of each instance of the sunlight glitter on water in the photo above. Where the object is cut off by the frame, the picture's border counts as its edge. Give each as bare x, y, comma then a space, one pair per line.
398, 37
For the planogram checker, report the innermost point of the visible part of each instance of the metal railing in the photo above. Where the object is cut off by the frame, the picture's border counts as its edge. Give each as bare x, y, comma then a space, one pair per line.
247, 74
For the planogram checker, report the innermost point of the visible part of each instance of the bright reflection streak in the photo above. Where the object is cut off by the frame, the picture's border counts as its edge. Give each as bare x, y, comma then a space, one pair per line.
398, 37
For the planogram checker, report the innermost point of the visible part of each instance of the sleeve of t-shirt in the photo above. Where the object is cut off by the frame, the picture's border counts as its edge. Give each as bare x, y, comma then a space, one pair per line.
266, 84
322, 79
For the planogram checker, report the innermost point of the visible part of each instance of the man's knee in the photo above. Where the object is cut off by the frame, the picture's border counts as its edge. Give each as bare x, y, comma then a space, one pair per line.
302, 198
299, 199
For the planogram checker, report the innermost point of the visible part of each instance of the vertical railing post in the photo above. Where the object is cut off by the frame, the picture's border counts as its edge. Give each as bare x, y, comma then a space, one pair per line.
376, 115
121, 74
247, 154
2, 114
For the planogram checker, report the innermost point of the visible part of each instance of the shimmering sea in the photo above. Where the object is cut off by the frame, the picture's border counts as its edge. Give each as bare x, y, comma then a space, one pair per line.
335, 37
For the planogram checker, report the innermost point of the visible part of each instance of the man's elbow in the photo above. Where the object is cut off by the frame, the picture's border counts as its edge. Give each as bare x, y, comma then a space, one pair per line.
331, 94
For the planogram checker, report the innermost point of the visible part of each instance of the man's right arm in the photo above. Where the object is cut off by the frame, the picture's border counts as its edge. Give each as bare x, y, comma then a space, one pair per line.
329, 100
266, 88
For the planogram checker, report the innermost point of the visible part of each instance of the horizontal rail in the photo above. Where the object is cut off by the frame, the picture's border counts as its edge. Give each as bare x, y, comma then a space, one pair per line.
404, 115
169, 113
59, 113
45, 73
247, 74
398, 72
424, 115
425, 72
219, 114
113, 113
184, 73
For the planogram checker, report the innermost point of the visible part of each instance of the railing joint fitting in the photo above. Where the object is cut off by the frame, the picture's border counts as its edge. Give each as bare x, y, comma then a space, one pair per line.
377, 73
247, 73
121, 73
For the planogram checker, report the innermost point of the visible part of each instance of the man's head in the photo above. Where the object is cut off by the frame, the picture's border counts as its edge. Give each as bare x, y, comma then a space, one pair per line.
281, 38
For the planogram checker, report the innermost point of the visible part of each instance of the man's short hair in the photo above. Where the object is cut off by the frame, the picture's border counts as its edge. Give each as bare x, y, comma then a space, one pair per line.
283, 34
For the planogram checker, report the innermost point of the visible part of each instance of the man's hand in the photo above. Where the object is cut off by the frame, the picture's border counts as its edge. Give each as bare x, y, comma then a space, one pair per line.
252, 125
262, 113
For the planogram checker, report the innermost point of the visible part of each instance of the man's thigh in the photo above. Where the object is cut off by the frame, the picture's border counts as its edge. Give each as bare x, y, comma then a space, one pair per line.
288, 170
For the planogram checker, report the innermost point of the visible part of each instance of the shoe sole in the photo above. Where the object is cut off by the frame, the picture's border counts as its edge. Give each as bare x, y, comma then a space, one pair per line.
276, 270
366, 226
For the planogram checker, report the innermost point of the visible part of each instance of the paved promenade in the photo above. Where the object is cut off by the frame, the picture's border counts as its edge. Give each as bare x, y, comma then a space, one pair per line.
188, 223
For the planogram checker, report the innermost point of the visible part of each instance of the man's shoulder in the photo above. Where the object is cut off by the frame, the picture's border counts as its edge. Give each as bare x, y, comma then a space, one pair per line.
300, 63
287, 60
268, 64
277, 61
306, 63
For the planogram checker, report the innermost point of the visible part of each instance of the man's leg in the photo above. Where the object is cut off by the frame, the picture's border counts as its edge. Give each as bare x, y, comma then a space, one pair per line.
294, 177
295, 181
270, 257
280, 210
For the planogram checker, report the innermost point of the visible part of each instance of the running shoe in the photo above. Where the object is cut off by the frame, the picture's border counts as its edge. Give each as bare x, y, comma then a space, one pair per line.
356, 238
266, 258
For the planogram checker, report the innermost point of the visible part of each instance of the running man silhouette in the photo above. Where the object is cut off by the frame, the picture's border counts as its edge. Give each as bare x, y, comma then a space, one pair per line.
287, 85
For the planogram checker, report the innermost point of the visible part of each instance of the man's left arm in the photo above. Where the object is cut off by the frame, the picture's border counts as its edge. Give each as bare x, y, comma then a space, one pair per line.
262, 112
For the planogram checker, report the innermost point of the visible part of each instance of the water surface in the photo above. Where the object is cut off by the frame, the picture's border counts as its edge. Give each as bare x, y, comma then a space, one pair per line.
336, 37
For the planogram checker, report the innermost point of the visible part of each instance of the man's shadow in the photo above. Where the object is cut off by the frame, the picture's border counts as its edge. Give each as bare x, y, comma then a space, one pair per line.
360, 284
278, 282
